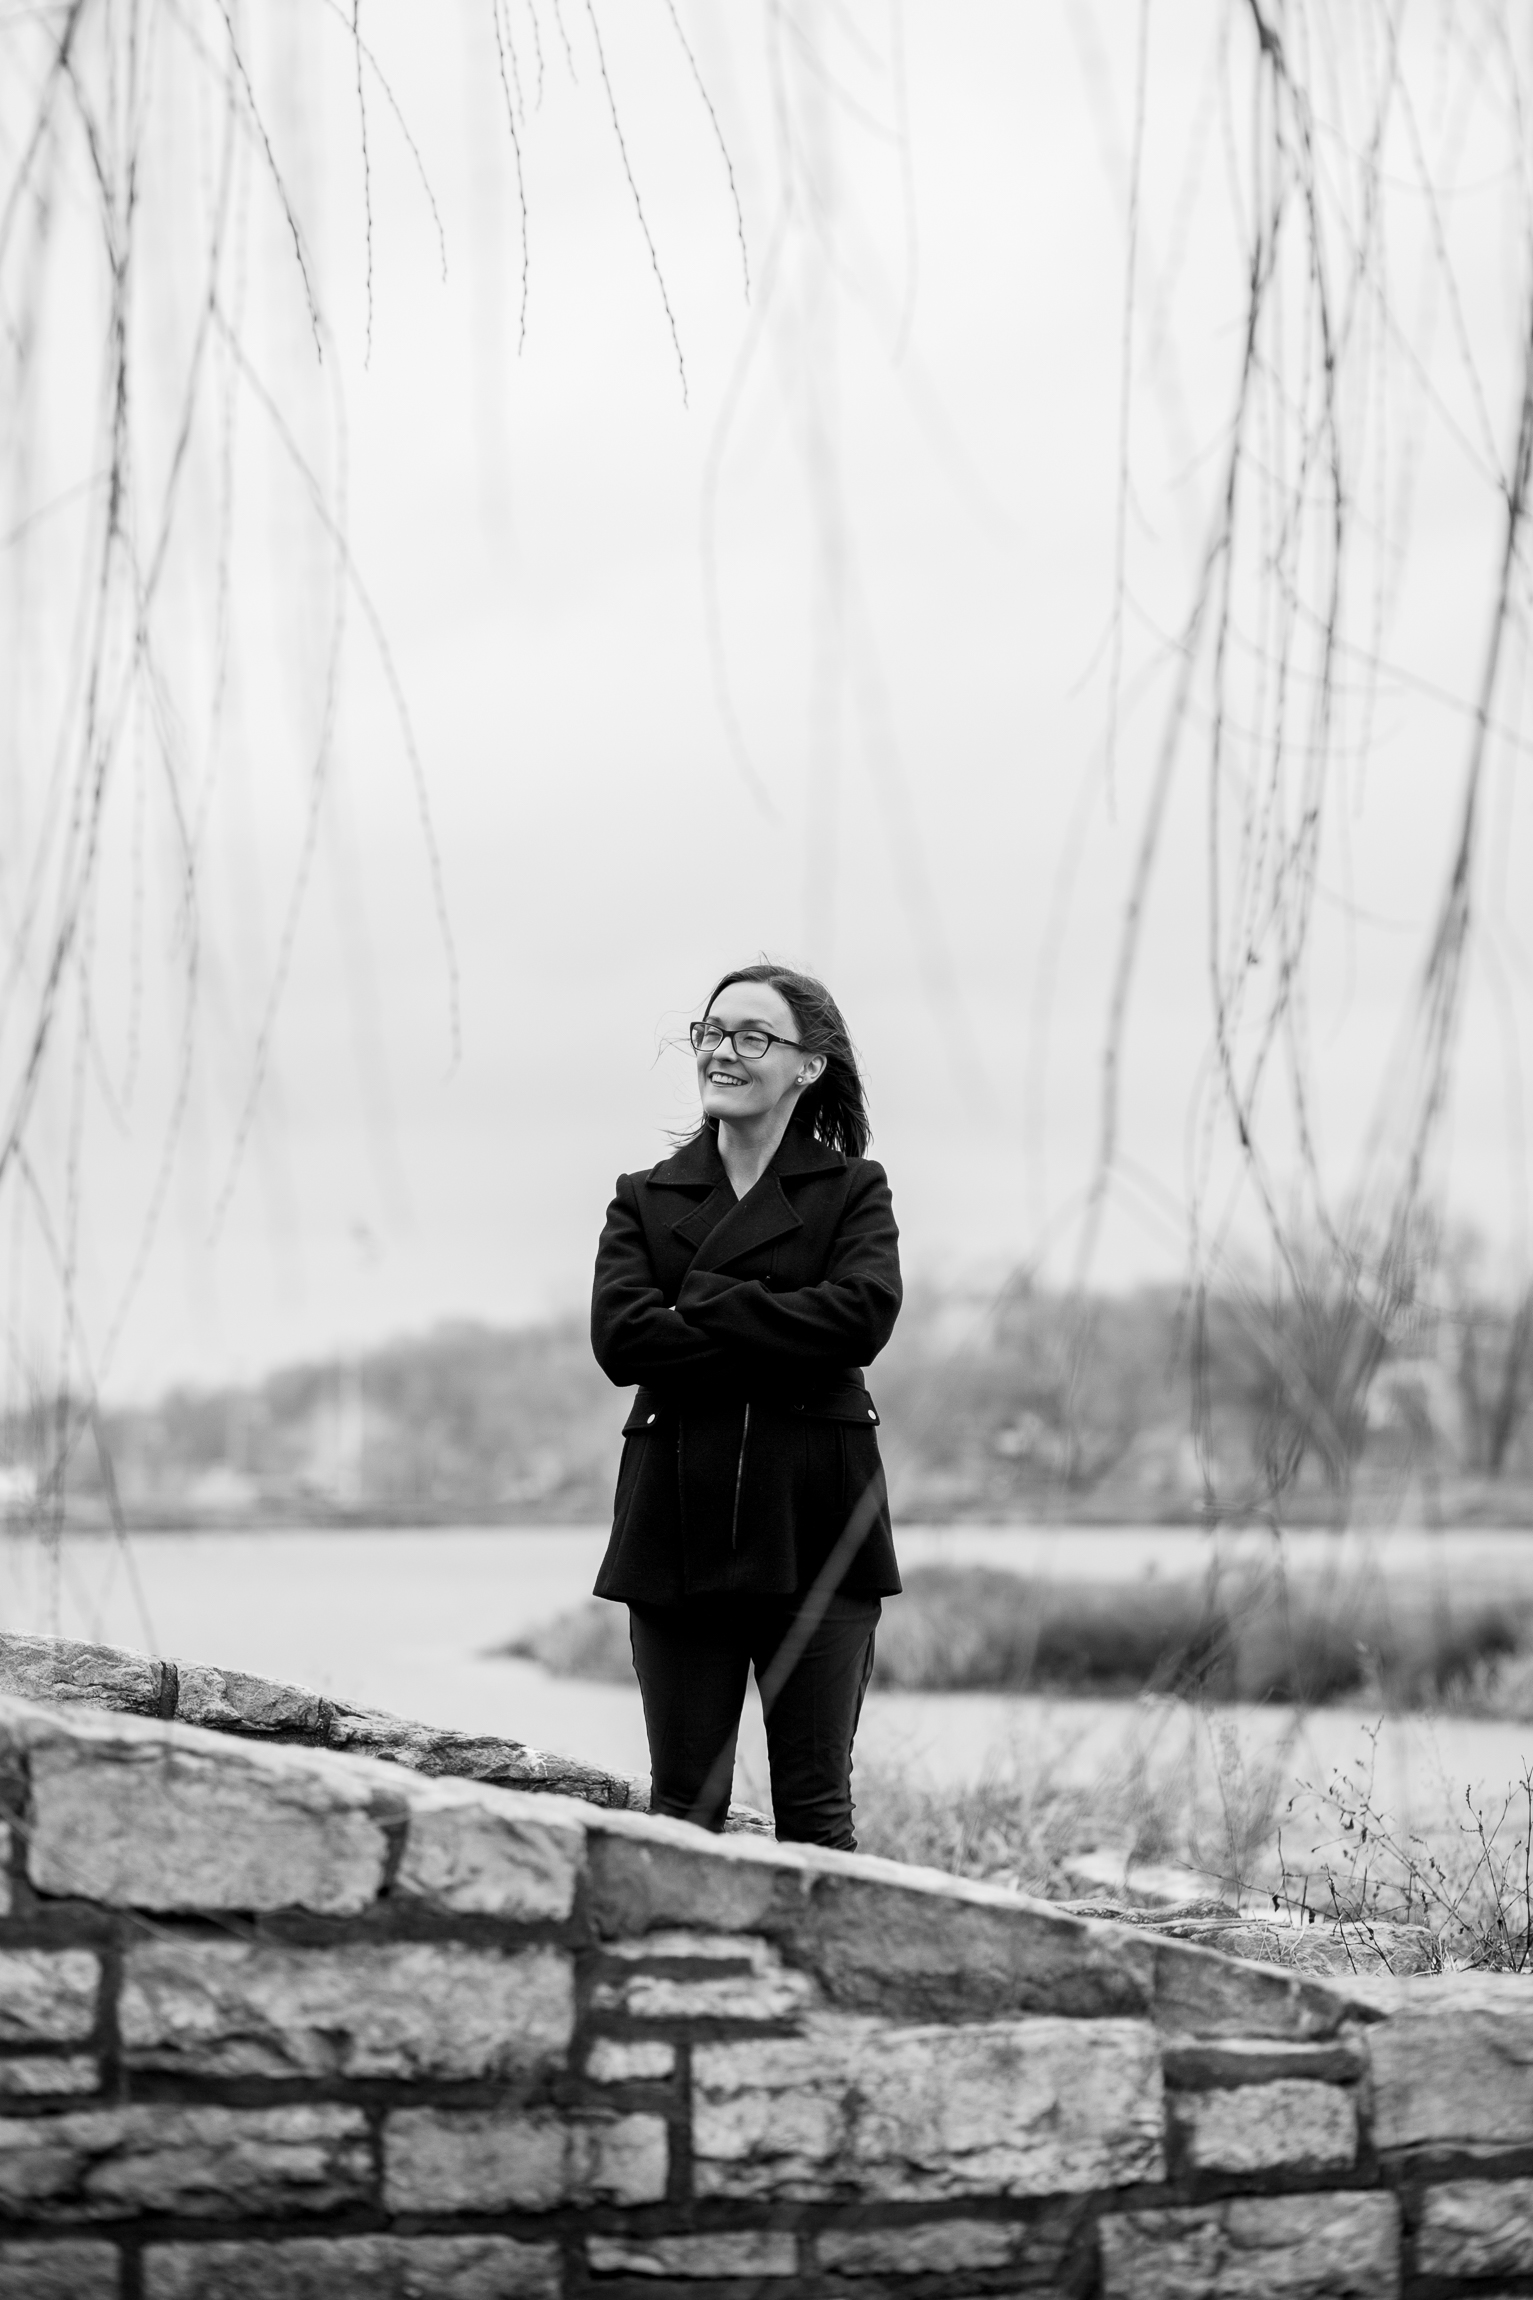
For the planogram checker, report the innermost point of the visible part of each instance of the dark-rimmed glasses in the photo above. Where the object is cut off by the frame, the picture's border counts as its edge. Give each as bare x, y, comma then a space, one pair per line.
749, 1042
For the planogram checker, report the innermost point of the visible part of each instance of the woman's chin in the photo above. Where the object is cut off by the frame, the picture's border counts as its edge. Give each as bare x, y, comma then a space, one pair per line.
718, 1103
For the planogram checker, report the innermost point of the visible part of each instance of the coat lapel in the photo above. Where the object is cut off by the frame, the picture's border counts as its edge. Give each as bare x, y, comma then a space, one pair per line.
721, 1228
751, 1222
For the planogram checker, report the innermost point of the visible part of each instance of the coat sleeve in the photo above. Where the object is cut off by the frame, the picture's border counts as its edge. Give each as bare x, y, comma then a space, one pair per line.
844, 1320
636, 1338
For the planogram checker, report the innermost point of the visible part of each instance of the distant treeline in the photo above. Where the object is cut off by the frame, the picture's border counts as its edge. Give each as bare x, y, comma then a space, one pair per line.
1143, 1406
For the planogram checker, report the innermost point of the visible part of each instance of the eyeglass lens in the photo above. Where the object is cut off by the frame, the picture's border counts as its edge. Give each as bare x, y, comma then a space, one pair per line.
707, 1036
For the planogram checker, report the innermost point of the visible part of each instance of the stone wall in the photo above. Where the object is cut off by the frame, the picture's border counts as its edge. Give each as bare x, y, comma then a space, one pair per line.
281, 2022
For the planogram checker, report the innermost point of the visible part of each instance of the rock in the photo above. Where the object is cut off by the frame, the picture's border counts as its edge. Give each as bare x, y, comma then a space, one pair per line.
701, 1976
648, 1874
1004, 2108
402, 2009
355, 2268
60, 1669
1289, 2124
228, 1701
1332, 2246
736, 2252
205, 2162
469, 1852
48, 1996
159, 1817
1204, 2063
495, 2160
34, 2077
929, 2248
1454, 2067
471, 1756
71, 2270
621, 2060
1476, 2228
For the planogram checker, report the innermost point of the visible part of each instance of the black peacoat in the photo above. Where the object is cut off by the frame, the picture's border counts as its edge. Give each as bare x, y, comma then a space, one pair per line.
745, 1323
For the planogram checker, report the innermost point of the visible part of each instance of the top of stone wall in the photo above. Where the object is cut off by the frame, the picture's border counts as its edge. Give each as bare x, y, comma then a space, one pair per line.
123, 1811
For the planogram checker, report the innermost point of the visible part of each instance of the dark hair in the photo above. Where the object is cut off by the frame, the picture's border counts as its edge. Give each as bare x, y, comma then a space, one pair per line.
835, 1105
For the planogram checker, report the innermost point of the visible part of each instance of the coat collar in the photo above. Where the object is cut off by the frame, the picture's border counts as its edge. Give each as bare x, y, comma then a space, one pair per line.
722, 1227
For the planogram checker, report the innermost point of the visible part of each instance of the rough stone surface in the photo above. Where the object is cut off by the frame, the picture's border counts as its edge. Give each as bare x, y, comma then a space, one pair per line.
1336, 2246
1203, 2063
1006, 2108
228, 1701
1339, 1950
73, 2269
929, 2248
31, 2076
104, 2164
746, 2252
1454, 2066
47, 1996
1196, 1994
60, 1669
6, 1845
625, 2060
1291, 2123
702, 1976
355, 2268
472, 1851
403, 2009
649, 1873
431, 1750
1476, 2228
489, 2160
147, 1816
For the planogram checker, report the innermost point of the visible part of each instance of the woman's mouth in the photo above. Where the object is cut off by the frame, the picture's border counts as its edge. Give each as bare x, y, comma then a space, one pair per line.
724, 1078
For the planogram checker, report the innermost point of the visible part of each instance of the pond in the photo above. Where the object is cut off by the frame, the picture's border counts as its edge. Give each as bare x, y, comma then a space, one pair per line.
405, 1620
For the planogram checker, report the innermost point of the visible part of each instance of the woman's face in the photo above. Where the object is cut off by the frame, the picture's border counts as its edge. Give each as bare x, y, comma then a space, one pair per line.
731, 1086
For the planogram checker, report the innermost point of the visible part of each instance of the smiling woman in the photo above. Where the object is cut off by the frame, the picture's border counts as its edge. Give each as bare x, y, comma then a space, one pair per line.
743, 1284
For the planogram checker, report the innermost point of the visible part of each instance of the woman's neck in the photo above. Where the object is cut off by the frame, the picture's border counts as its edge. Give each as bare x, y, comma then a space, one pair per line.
747, 1150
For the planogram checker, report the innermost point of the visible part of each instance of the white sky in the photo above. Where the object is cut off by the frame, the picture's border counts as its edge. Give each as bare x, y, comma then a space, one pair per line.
529, 524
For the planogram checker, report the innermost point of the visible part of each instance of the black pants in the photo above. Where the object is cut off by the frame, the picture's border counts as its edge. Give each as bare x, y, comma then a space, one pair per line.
692, 1661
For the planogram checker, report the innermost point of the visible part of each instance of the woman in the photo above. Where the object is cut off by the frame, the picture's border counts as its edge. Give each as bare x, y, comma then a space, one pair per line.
743, 1284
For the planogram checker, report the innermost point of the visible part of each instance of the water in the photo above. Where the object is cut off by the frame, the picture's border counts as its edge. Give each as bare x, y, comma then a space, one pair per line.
404, 1620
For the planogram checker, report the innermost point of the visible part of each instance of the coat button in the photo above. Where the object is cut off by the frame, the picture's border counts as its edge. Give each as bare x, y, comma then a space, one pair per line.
872, 1416
648, 1419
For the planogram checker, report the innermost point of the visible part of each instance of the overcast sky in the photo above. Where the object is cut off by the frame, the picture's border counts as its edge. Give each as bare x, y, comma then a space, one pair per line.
898, 460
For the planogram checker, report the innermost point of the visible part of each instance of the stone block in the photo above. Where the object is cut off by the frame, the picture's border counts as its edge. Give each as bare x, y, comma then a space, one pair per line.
7, 1845
72, 2269
435, 1751
203, 2162
927, 1947
648, 1874
1453, 2068
1199, 2064
494, 2160
1476, 2228
742, 2252
1333, 2246
925, 2248
354, 2268
32, 2076
1290, 2124
403, 2009
1002, 2108
477, 1852
48, 1996
229, 1701
701, 1976
148, 1816
60, 1669
1199, 1992
629, 2060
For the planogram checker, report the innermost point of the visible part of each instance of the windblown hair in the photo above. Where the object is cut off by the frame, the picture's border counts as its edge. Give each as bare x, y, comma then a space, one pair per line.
835, 1106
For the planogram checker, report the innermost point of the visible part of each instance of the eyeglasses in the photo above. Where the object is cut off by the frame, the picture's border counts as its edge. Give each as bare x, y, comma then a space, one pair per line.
750, 1041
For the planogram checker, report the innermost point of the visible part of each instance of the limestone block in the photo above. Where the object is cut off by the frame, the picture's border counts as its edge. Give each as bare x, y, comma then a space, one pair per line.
47, 1996
229, 1701
162, 1817
492, 2160
701, 1976
1476, 2228
354, 2268
72, 2269
1200, 1992
107, 2164
1258, 2127
648, 1873
1004, 2108
6, 1845
927, 2248
434, 1750
621, 2060
32, 2076
1336, 2246
61, 1669
477, 1852
1196, 2064
731, 2252
1454, 2067
406, 2009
